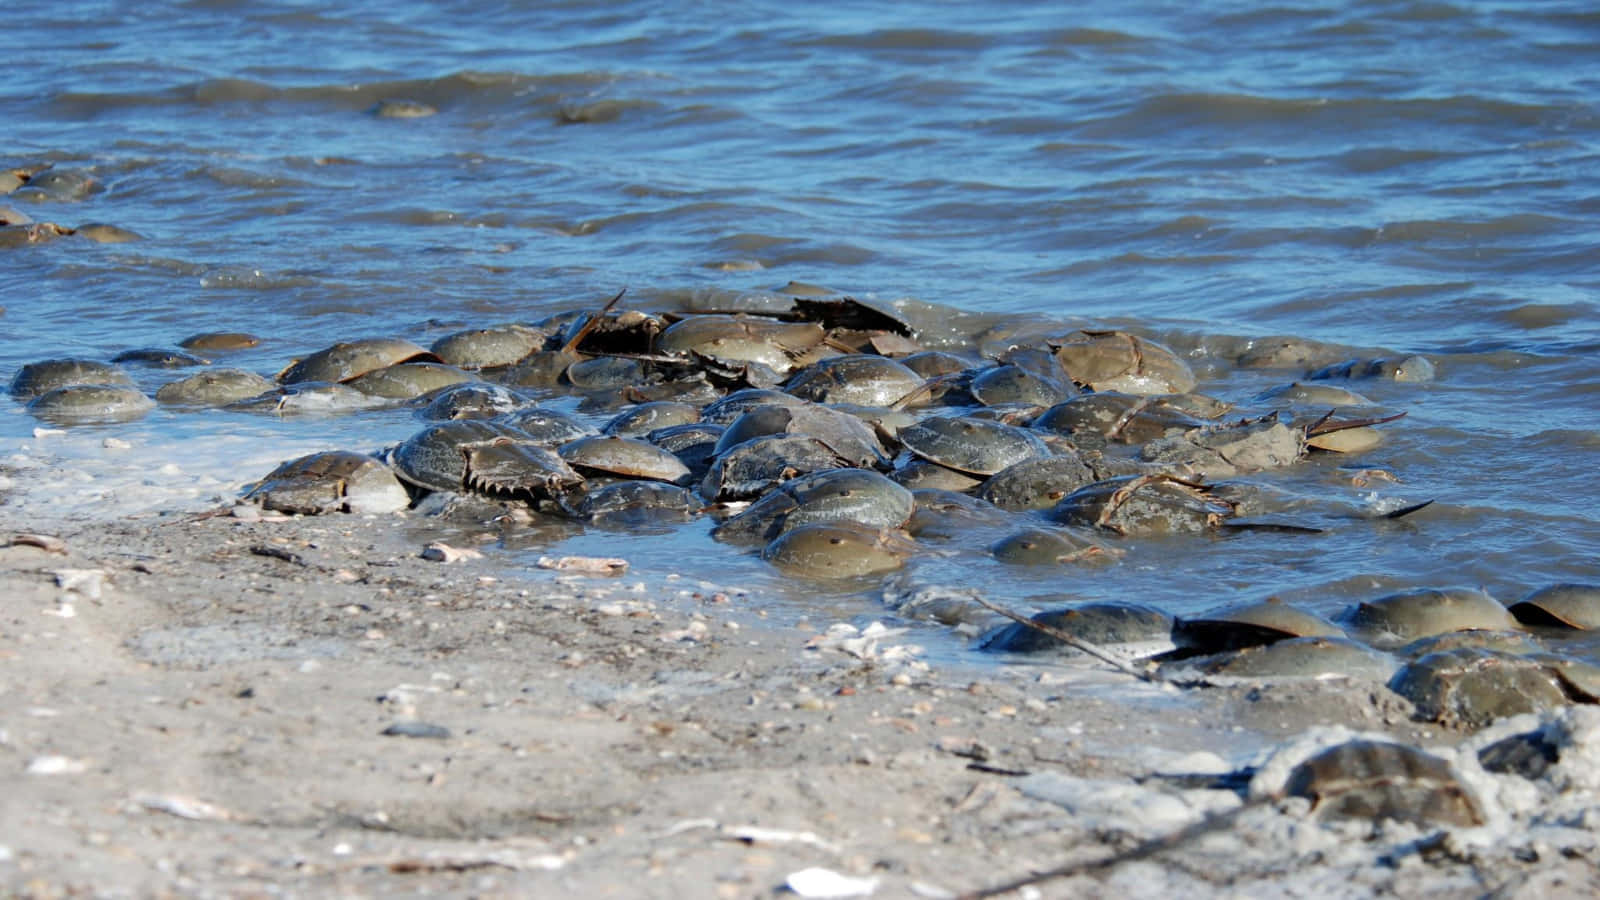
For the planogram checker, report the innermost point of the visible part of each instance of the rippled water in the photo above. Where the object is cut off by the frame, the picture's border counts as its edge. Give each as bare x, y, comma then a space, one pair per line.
1411, 177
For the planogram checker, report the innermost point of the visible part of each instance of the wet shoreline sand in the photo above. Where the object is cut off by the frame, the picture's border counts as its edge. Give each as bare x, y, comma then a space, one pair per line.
200, 707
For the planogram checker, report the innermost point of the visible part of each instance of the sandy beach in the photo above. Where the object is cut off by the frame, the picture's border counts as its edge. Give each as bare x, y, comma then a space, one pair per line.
204, 705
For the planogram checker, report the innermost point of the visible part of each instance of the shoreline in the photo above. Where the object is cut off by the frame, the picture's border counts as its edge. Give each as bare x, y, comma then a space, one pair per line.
207, 716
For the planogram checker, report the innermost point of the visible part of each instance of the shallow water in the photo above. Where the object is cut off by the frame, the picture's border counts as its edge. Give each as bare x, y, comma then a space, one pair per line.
1407, 177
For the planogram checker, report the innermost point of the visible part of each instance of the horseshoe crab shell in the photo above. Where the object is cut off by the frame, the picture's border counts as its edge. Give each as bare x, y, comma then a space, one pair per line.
331, 481
647, 417
1143, 505
628, 457
483, 348
214, 387
1118, 361
482, 456
1397, 618
404, 381
1366, 779
1045, 546
972, 446
1014, 384
847, 436
1294, 658
864, 379
90, 404
1101, 624
1575, 606
756, 466
346, 360
1037, 483
855, 495
737, 339
43, 377
1249, 625
1473, 686
832, 550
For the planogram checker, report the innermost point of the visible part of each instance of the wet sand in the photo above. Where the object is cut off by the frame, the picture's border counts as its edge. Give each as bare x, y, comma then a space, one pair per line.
198, 706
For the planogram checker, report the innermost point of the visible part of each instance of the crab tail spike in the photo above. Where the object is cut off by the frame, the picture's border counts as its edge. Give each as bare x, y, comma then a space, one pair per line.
589, 326
1407, 510
1325, 426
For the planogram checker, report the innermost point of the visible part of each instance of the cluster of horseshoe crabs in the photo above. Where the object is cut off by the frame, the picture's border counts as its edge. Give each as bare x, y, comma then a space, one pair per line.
43, 183
839, 436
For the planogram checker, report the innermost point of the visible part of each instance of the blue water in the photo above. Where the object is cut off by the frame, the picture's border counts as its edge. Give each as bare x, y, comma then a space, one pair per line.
1393, 177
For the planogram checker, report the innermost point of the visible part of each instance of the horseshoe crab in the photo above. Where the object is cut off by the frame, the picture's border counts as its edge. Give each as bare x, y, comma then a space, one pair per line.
483, 456
219, 341
634, 503
158, 358
738, 339
32, 233
487, 348
971, 446
103, 233
39, 378
1399, 368
1285, 353
736, 404
1517, 643
1015, 384
1118, 361
58, 185
921, 475
950, 514
628, 457
1120, 417
405, 381
647, 417
833, 550
695, 444
1573, 606
1397, 618
1249, 625
331, 481
1320, 395
401, 109
1224, 451
756, 466
347, 360
547, 427
473, 400
605, 373
934, 363
1045, 547
1143, 505
1293, 658
1038, 483
1472, 686
214, 387
1101, 624
858, 378
90, 404
855, 495
307, 397
845, 435
1367, 779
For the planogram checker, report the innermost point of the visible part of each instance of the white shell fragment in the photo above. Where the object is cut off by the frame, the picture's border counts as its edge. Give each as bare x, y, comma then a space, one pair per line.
588, 565
820, 882
184, 807
57, 765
